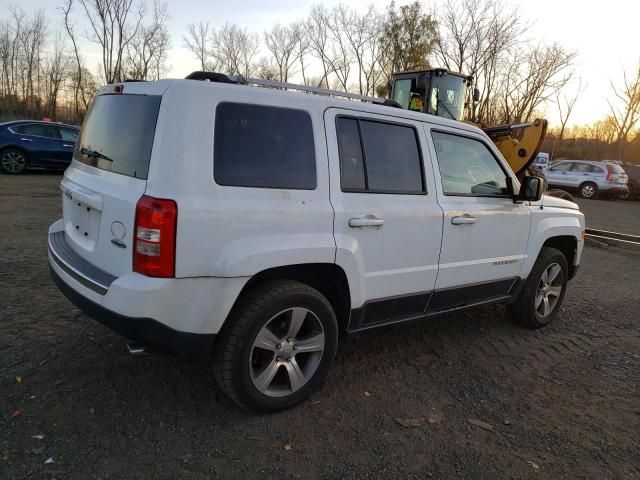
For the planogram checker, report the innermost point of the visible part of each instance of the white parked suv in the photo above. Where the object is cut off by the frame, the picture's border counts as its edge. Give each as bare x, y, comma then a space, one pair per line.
256, 226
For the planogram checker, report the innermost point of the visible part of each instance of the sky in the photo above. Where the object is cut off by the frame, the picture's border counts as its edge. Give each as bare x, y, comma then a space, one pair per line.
605, 35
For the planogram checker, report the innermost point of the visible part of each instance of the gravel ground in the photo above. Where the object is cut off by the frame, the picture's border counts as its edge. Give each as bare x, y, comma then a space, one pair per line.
560, 403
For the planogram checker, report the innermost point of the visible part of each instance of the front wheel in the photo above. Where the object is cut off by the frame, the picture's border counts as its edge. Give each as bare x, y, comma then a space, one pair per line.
539, 300
278, 346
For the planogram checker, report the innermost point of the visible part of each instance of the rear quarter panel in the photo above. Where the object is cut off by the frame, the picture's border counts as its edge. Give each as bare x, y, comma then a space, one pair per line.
226, 231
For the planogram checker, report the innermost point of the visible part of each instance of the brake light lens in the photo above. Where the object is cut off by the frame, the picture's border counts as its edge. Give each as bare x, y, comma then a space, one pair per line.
609, 173
154, 252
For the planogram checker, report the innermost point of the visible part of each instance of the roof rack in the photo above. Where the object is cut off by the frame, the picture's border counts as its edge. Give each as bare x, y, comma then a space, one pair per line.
240, 80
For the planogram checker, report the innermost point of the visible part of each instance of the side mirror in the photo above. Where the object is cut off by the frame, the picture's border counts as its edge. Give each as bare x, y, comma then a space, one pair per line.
476, 95
531, 190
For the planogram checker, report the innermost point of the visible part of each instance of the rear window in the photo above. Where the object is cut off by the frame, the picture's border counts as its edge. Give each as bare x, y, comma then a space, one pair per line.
261, 146
615, 168
118, 132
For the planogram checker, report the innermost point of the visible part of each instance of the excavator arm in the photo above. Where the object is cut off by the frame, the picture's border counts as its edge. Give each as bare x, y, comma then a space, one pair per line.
519, 143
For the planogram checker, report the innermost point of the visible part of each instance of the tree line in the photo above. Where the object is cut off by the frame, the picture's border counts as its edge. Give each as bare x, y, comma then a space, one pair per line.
342, 48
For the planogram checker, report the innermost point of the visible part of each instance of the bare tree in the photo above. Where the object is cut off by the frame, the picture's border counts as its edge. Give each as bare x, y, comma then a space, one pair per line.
627, 112
114, 24
317, 26
565, 106
532, 79
77, 78
474, 37
198, 40
283, 44
147, 51
56, 69
235, 48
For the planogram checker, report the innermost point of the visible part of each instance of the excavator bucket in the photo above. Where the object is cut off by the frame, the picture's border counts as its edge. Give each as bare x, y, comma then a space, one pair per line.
519, 143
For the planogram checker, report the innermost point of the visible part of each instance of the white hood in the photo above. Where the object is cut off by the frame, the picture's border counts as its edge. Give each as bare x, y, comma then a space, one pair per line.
549, 201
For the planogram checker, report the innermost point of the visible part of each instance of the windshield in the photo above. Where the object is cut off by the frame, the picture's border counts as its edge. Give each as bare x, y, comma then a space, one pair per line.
402, 92
117, 134
447, 96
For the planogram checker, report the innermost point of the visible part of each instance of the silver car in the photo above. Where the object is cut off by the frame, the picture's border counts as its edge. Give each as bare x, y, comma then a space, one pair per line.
588, 178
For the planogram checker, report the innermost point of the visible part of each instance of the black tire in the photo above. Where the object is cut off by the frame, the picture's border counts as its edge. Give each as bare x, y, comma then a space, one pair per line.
234, 348
629, 195
524, 310
13, 161
588, 190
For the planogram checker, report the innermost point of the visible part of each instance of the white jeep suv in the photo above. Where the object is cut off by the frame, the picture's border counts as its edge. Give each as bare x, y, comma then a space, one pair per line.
256, 226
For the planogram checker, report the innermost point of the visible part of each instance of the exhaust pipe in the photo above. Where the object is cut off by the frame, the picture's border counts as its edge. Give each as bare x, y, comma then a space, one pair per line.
136, 349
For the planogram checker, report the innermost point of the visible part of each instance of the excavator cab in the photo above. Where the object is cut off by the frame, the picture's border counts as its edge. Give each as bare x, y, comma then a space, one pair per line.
436, 92
446, 94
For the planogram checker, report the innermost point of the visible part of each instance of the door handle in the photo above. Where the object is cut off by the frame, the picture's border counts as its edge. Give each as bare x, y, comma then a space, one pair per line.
65, 145
366, 221
26, 140
465, 219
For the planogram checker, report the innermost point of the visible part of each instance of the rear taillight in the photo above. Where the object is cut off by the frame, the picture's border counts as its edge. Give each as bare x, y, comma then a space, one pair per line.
609, 173
154, 245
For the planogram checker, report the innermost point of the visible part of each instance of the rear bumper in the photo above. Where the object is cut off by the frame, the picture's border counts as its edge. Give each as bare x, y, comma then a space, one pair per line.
147, 331
179, 316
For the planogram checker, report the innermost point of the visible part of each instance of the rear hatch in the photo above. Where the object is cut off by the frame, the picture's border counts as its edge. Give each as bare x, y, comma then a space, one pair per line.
101, 188
617, 174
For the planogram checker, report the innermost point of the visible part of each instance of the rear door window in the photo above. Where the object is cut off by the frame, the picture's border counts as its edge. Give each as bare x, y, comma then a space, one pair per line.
582, 168
38, 130
263, 146
118, 133
379, 157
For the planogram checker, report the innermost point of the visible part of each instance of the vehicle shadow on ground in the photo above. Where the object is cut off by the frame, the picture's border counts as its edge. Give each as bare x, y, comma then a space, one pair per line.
162, 390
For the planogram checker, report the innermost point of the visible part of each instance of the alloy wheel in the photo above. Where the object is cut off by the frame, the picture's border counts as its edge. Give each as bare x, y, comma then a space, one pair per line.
549, 290
588, 191
13, 162
286, 352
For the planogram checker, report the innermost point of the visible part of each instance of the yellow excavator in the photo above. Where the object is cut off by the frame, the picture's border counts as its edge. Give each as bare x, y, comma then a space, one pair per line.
438, 91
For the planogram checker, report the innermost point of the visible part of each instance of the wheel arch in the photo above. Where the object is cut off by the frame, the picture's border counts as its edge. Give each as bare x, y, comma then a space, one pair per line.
568, 245
20, 148
328, 278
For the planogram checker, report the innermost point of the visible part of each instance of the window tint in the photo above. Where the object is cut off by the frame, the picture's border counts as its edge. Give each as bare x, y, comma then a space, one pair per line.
582, 168
120, 128
467, 167
393, 159
68, 134
39, 130
351, 160
561, 167
258, 146
390, 162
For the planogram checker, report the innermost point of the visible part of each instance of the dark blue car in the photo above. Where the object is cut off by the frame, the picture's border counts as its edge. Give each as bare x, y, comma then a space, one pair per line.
33, 144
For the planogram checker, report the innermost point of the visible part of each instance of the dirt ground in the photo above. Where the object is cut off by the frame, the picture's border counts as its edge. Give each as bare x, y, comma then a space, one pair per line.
560, 403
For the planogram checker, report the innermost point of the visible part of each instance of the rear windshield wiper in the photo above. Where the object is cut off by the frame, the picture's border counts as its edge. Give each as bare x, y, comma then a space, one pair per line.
94, 154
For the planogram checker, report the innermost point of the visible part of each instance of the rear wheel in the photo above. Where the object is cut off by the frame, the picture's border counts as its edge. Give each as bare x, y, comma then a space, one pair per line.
588, 190
539, 300
629, 194
278, 346
13, 161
